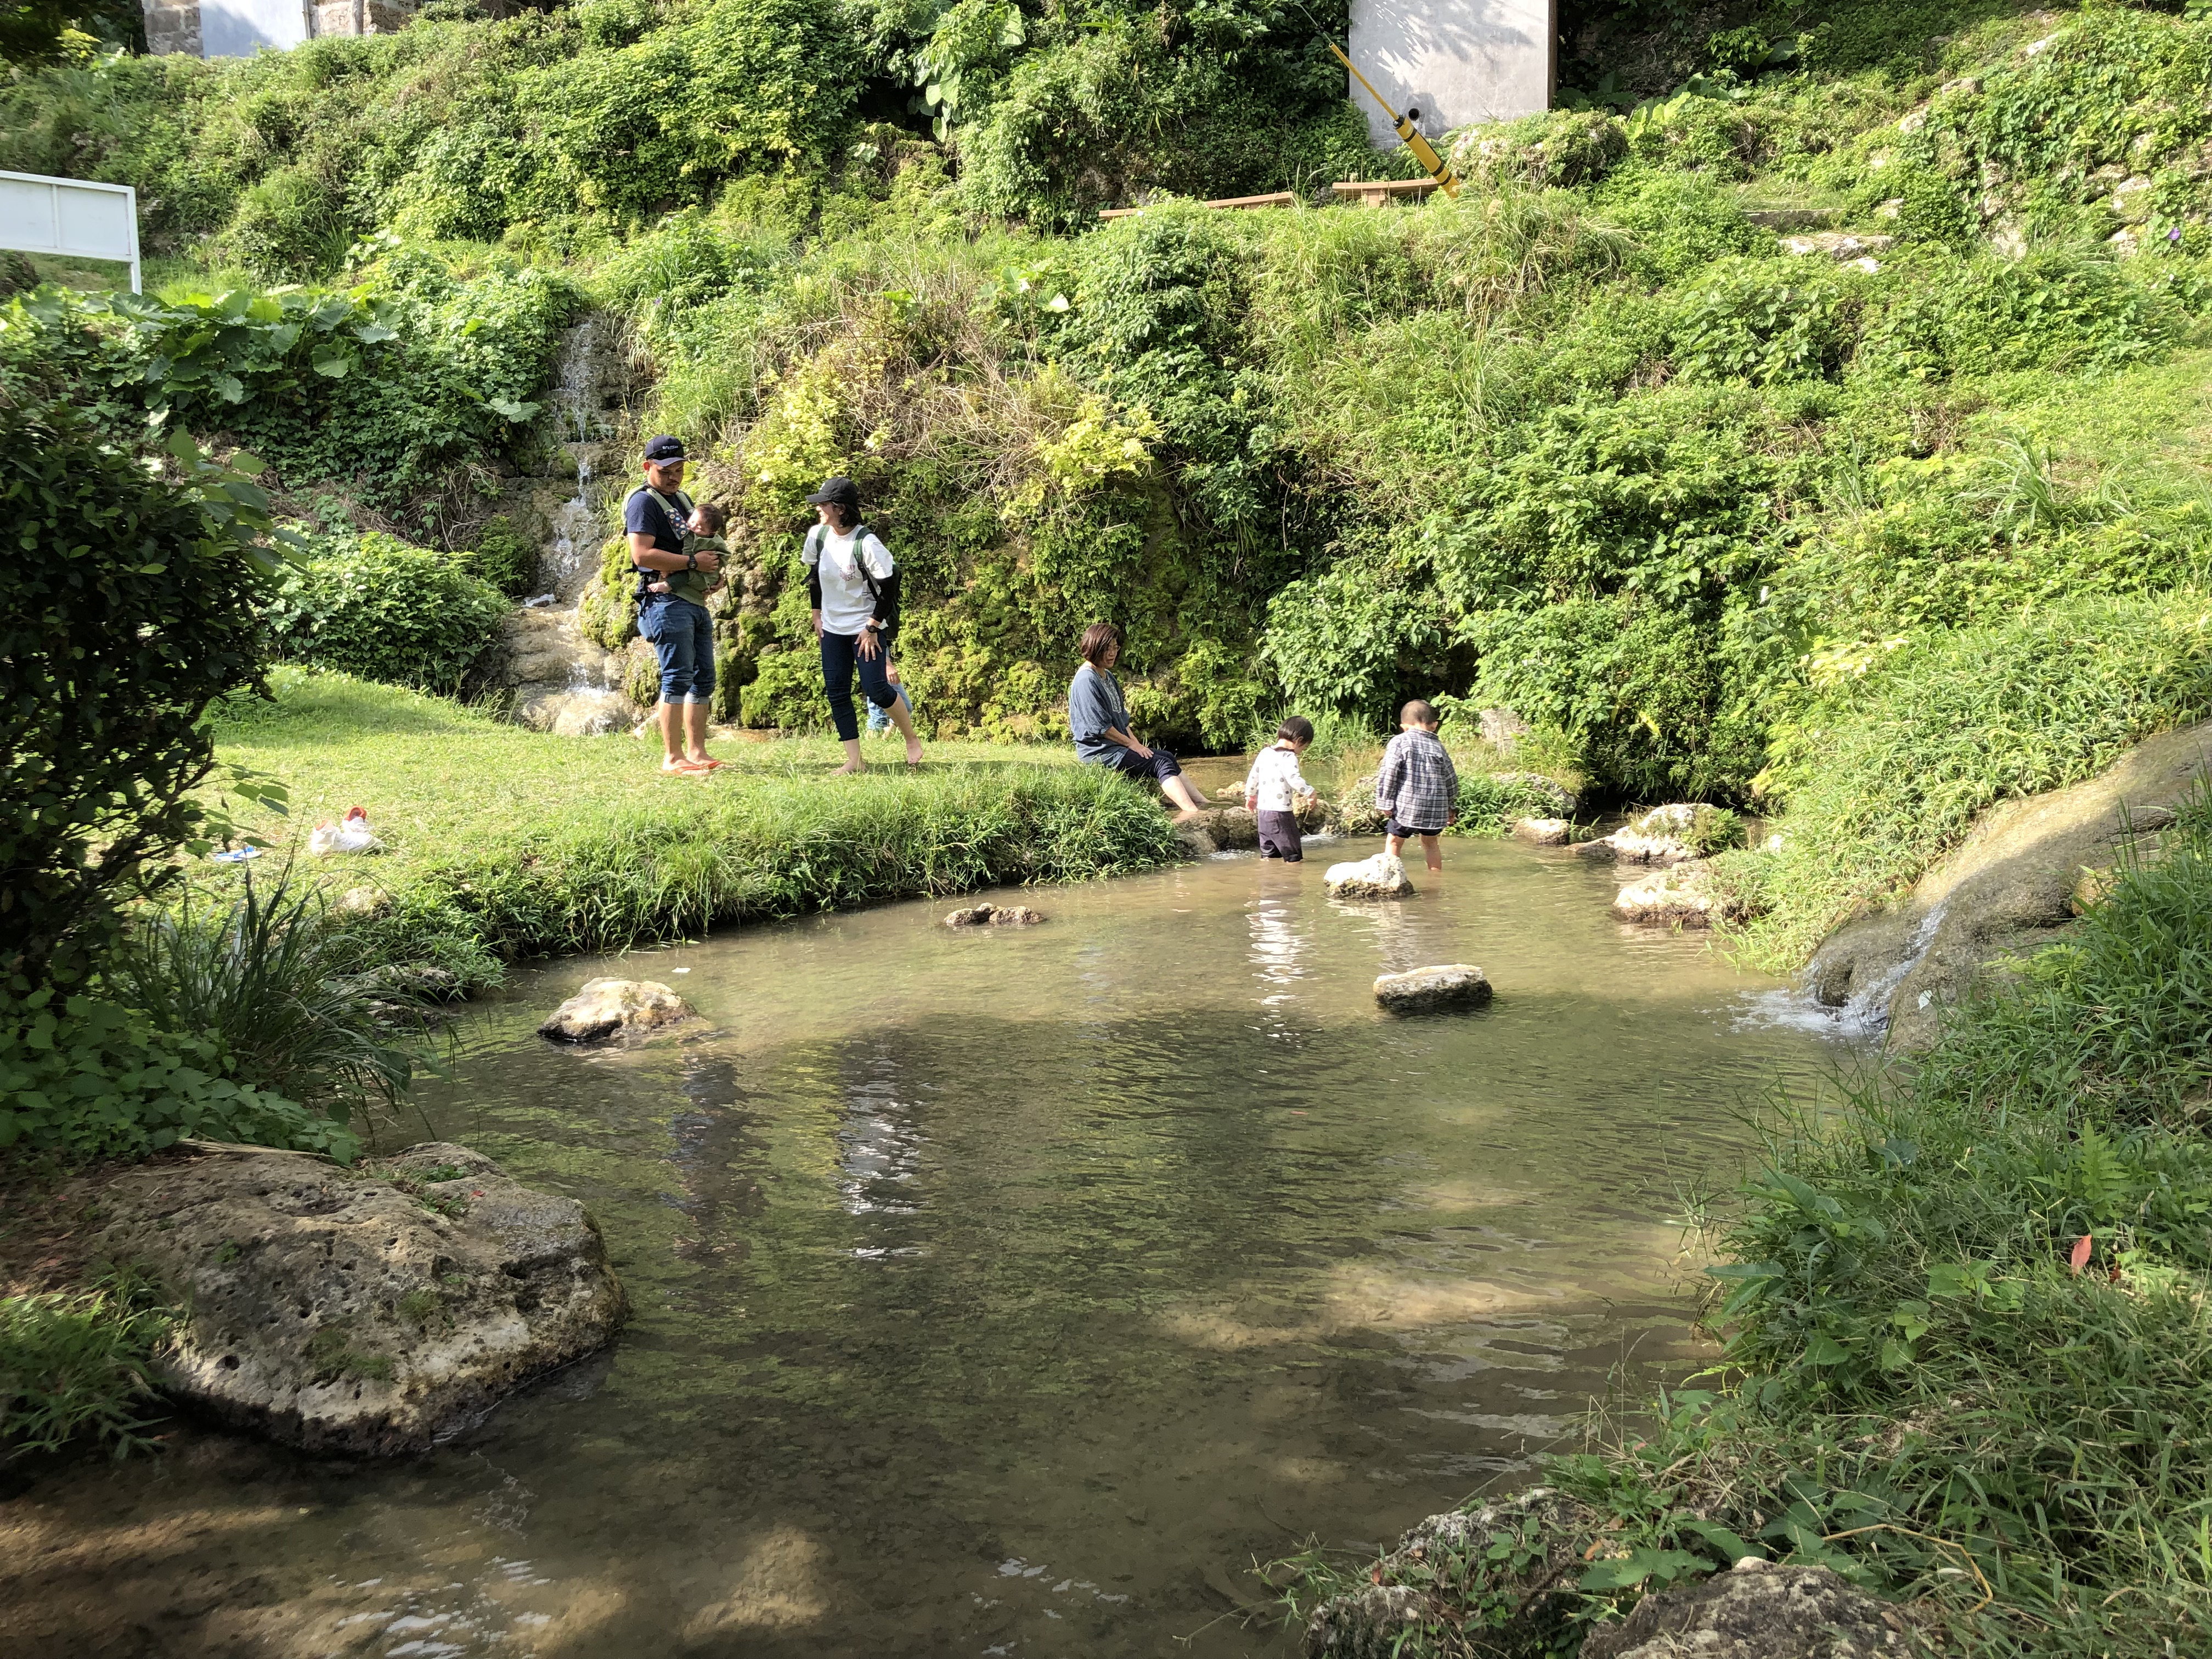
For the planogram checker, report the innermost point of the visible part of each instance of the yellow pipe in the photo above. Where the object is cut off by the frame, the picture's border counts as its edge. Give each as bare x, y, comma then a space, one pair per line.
1424, 151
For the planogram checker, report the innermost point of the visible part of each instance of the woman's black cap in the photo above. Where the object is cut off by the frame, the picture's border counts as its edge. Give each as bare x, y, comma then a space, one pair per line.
662, 450
836, 492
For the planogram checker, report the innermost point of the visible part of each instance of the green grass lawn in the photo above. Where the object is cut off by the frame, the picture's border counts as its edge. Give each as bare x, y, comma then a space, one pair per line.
502, 843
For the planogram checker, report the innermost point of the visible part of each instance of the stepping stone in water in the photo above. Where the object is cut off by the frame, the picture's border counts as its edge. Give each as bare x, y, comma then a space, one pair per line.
1433, 990
605, 1007
995, 915
1378, 877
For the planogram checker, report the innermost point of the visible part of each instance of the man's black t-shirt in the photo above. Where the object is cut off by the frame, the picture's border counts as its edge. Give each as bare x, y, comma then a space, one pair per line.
643, 515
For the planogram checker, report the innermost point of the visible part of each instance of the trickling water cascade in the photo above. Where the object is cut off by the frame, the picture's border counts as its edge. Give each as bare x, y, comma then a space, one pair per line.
562, 681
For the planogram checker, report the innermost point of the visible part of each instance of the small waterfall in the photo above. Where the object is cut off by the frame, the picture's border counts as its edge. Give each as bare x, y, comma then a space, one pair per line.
563, 682
1864, 1015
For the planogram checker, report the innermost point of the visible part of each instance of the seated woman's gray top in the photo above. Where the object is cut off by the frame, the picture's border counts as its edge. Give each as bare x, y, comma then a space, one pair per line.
1094, 704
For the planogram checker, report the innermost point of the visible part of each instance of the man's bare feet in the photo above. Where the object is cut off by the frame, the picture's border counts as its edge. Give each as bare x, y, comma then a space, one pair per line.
850, 769
682, 767
914, 751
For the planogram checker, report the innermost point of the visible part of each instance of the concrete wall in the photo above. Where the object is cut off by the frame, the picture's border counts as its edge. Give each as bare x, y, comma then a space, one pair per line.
238, 28
1457, 61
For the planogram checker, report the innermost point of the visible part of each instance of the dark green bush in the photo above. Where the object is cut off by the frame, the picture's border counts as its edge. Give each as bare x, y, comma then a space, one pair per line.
373, 607
126, 607
505, 558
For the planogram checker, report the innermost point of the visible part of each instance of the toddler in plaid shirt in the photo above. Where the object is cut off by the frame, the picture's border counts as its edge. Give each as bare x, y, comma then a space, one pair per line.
1418, 785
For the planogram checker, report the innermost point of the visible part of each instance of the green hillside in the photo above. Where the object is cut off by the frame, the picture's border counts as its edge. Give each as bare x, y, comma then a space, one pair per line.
1725, 520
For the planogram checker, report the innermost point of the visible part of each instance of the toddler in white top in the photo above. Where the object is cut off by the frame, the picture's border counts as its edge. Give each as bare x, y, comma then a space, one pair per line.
1273, 787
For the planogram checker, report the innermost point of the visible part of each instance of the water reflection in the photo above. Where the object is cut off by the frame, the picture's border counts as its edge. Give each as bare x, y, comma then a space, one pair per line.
1014, 1306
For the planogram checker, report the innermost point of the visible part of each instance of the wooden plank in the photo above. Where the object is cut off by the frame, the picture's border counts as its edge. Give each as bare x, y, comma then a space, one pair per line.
1277, 198
1375, 191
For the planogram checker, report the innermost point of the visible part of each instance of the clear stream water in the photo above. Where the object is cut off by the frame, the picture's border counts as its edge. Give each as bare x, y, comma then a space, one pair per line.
1000, 1292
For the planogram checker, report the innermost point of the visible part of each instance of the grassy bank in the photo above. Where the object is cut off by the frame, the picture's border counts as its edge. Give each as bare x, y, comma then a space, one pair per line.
502, 843
1969, 1363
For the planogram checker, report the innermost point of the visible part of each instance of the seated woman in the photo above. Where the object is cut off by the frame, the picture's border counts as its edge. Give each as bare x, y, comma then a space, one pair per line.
1100, 721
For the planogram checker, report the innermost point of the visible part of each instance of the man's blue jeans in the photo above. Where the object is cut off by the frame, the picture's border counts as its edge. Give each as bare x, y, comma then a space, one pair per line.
683, 636
839, 657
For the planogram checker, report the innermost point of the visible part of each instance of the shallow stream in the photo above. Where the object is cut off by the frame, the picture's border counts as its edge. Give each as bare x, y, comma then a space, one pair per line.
1000, 1292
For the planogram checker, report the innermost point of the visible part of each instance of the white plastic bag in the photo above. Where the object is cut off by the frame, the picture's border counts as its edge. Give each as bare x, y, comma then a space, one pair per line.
353, 836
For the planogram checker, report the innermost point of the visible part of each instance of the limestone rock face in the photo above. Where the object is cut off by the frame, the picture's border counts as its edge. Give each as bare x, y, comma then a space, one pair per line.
1501, 728
1543, 832
1378, 877
606, 1006
371, 1311
1756, 1610
1681, 896
2005, 890
1433, 990
995, 915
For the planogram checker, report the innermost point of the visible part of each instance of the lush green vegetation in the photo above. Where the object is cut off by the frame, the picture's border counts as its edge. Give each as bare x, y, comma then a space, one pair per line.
1589, 443
502, 843
1966, 1343
81, 1363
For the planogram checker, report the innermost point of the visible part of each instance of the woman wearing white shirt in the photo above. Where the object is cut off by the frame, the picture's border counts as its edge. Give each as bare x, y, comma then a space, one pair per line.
854, 590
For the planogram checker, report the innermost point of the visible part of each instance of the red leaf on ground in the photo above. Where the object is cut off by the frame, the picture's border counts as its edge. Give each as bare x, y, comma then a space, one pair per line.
2079, 1259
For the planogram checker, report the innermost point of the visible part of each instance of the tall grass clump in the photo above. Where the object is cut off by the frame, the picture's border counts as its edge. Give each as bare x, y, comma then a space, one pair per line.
1968, 1362
266, 976
80, 1364
1900, 742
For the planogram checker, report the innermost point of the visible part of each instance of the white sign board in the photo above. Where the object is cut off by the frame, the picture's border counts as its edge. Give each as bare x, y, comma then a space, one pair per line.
238, 29
1455, 61
39, 215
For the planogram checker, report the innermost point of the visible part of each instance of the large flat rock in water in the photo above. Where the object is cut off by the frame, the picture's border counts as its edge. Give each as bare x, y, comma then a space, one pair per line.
372, 1311
2006, 888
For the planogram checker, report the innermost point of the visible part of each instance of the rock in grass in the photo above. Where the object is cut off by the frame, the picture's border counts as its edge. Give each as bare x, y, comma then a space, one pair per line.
606, 1006
995, 915
370, 1311
1433, 990
1378, 877
1756, 1611
1681, 896
1543, 832
1530, 1580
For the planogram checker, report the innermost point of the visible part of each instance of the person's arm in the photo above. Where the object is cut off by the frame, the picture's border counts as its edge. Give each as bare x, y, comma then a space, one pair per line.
1451, 788
810, 555
1389, 777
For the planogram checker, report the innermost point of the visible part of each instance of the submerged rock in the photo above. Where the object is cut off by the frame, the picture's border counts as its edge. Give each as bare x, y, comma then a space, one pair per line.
1433, 990
1378, 877
995, 915
606, 1006
374, 1311
1681, 896
1756, 1610
1543, 832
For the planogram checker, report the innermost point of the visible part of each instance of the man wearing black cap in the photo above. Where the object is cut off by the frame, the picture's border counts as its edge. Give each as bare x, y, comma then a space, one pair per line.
854, 590
681, 632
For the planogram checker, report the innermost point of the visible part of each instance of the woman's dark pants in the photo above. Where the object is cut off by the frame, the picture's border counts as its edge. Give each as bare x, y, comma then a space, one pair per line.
839, 657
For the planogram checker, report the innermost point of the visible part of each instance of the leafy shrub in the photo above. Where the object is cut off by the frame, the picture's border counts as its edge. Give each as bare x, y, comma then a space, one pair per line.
373, 606
81, 1363
87, 1076
125, 609
504, 557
